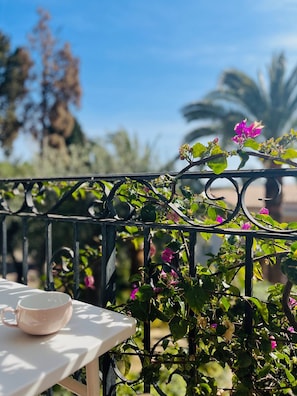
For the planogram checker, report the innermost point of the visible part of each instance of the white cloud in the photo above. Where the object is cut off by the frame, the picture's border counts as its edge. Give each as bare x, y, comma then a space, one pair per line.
286, 41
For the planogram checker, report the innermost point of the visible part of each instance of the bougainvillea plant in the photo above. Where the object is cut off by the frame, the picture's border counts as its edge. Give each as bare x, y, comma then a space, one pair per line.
209, 306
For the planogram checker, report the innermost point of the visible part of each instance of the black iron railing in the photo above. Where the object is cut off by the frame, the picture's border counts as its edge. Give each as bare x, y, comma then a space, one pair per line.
44, 219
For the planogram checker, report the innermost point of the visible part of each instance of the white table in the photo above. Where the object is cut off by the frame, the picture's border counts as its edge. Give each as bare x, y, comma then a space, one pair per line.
31, 364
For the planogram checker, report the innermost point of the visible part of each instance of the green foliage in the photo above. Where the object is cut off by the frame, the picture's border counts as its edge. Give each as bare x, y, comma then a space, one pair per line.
237, 344
97, 157
209, 307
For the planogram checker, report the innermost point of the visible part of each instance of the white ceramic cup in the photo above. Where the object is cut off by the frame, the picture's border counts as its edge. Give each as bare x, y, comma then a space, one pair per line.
41, 313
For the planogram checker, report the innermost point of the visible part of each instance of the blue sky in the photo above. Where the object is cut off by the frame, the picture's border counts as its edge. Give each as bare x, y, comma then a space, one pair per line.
141, 61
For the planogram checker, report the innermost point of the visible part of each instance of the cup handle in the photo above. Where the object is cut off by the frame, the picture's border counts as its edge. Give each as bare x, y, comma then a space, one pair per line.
8, 309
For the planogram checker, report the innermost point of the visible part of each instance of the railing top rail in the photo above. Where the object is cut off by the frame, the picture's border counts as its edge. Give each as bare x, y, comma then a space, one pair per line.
256, 173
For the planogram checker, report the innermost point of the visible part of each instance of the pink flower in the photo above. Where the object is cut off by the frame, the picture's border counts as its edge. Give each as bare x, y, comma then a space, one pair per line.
133, 293
89, 281
214, 325
264, 211
219, 219
167, 255
291, 329
163, 274
173, 274
273, 342
243, 131
246, 226
292, 302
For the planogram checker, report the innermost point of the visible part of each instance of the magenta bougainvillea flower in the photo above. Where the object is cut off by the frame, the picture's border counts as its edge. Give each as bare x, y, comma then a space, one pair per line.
264, 211
167, 255
273, 342
219, 219
244, 131
133, 293
246, 226
89, 282
292, 302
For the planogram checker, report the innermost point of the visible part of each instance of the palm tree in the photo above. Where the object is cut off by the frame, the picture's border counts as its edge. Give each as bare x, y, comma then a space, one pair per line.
238, 96
272, 101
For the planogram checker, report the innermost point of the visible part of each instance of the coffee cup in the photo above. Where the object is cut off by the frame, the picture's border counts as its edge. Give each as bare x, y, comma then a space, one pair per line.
40, 313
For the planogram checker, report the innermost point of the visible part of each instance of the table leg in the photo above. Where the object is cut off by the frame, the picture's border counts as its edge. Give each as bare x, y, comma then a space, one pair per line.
93, 380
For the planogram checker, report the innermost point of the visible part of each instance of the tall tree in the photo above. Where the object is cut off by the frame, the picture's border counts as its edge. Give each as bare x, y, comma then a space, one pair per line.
56, 80
272, 100
14, 72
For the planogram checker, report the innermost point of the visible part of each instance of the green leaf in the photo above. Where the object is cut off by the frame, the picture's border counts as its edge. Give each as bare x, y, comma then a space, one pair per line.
234, 290
294, 246
206, 235
139, 310
244, 359
264, 371
198, 150
196, 296
262, 308
292, 225
178, 327
145, 293
290, 377
218, 165
289, 154
224, 303
244, 158
212, 213
251, 143
131, 229
148, 213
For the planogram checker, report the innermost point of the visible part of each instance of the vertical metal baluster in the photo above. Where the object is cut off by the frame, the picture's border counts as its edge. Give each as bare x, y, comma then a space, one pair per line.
48, 255
108, 267
25, 252
146, 324
4, 246
192, 272
76, 274
249, 268
248, 319
108, 293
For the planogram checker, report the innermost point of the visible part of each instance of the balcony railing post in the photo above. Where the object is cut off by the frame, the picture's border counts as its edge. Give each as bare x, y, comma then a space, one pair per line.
108, 294
4, 246
146, 324
48, 255
76, 274
249, 267
24, 273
